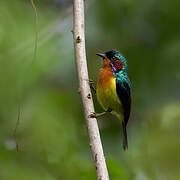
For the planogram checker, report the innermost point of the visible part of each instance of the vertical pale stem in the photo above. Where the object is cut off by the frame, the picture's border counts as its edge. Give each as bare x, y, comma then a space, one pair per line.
84, 88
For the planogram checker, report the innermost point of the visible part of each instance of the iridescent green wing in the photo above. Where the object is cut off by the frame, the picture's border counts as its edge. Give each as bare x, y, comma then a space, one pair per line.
123, 90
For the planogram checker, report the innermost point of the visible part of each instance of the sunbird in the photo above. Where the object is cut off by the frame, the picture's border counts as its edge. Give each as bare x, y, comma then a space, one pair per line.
114, 89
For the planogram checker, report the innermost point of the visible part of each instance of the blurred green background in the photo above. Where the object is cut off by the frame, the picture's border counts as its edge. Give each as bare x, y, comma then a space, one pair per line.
52, 137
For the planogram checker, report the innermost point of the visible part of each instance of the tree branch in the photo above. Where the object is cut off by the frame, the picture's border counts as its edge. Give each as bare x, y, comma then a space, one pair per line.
84, 88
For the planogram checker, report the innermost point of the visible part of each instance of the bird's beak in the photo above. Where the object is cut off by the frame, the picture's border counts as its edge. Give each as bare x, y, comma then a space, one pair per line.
102, 55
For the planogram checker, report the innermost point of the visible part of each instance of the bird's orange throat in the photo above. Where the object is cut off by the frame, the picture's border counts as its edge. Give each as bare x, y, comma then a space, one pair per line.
106, 63
105, 74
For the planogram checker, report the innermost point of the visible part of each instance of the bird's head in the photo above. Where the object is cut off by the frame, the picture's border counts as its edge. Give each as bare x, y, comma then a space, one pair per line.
115, 59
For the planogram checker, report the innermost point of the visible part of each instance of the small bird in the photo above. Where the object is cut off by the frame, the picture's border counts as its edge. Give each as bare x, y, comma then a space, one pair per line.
114, 89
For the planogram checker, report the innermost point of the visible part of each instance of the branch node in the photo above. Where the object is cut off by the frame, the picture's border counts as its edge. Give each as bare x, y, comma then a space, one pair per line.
89, 96
78, 39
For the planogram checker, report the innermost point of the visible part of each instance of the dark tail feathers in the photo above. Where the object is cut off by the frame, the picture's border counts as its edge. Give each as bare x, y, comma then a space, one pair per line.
124, 136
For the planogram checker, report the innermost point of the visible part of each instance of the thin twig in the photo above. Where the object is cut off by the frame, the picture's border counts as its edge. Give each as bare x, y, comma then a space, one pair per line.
36, 29
21, 84
88, 106
17, 122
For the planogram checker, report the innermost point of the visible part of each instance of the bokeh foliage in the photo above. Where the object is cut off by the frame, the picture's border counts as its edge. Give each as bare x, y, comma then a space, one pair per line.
52, 138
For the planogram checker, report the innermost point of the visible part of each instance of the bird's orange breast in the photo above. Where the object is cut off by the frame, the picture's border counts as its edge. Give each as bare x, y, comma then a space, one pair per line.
105, 77
106, 90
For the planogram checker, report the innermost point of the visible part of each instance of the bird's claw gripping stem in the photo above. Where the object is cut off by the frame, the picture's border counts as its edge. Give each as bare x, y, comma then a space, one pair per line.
91, 83
93, 115
96, 115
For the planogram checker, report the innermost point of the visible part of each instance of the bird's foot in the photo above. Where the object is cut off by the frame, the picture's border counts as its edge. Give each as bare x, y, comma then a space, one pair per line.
93, 115
96, 115
91, 83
